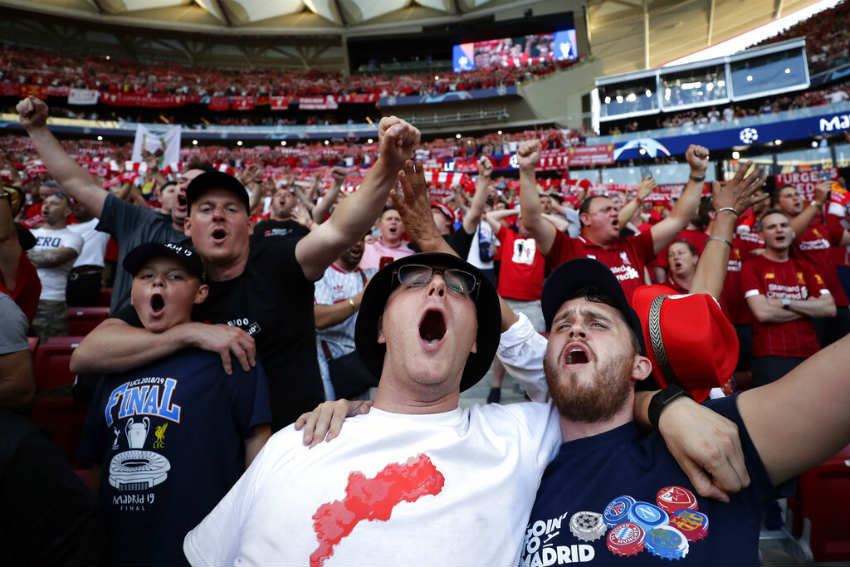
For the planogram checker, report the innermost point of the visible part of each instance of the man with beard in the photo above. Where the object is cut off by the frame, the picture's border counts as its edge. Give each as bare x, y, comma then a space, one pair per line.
128, 224
614, 494
338, 296
600, 236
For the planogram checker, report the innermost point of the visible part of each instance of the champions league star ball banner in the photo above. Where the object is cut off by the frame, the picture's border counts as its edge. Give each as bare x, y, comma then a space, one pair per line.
758, 134
451, 96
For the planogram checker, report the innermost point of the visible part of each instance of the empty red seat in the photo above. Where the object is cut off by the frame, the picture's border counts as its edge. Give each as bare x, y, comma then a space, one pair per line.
81, 320
52, 359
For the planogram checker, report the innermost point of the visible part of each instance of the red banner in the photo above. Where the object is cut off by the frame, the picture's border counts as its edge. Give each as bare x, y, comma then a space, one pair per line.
58, 91
327, 102
10, 89
359, 98
242, 103
279, 102
219, 103
34, 90
590, 155
805, 181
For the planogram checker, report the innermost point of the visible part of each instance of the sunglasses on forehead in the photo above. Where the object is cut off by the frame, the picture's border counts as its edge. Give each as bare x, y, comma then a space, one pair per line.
459, 282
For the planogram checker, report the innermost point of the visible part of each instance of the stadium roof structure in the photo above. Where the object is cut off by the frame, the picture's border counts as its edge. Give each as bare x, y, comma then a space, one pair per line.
267, 16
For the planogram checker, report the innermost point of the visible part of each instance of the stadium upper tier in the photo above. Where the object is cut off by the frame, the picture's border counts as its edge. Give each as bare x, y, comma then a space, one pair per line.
39, 68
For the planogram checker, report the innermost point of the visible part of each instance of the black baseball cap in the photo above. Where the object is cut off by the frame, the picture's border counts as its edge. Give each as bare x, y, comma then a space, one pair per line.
385, 281
573, 275
139, 255
216, 180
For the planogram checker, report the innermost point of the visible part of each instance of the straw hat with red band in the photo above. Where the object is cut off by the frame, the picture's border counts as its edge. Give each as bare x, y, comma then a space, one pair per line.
688, 339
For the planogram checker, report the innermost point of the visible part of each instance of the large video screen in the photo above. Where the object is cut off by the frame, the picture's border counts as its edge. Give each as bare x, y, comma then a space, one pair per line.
515, 51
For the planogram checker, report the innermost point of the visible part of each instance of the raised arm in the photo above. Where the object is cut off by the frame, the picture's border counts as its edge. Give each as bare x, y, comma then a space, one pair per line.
646, 186
529, 201
801, 221
115, 346
810, 417
355, 215
476, 208
495, 218
10, 247
414, 206
323, 207
75, 181
664, 232
729, 202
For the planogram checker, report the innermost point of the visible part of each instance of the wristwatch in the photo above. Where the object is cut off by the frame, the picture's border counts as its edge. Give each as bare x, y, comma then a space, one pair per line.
786, 303
661, 400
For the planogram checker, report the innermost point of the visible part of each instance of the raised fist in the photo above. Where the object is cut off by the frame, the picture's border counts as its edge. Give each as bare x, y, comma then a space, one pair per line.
822, 191
32, 112
397, 140
646, 186
697, 157
528, 154
339, 173
485, 166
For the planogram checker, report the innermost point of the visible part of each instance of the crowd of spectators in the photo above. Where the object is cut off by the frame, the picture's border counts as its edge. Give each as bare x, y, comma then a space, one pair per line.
107, 74
827, 37
735, 111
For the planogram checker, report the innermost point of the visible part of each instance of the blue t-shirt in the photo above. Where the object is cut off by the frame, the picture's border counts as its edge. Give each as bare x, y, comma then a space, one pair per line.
170, 439
589, 473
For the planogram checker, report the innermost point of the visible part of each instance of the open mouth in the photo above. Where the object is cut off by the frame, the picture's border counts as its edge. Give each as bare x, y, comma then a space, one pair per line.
576, 354
157, 304
677, 265
432, 327
219, 234
181, 200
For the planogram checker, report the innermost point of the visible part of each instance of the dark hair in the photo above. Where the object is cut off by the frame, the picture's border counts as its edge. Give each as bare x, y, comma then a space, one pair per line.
774, 197
196, 163
775, 211
596, 294
584, 207
690, 246
705, 207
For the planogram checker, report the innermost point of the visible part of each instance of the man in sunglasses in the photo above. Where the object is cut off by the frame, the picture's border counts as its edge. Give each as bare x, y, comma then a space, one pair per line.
418, 480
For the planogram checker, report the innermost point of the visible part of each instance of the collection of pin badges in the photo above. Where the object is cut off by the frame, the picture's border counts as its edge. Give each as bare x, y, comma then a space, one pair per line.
664, 529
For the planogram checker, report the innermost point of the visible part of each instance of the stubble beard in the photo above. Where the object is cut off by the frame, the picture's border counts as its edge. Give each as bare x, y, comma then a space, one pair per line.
589, 403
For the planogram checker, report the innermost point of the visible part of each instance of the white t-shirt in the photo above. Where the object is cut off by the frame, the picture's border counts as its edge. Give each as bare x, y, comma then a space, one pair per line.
94, 243
453, 488
474, 257
335, 286
54, 279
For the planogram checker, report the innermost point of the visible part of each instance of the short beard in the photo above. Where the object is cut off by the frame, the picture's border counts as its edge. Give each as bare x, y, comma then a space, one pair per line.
596, 402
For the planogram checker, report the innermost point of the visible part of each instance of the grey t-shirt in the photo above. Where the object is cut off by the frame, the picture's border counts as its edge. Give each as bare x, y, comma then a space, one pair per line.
131, 225
574, 229
13, 331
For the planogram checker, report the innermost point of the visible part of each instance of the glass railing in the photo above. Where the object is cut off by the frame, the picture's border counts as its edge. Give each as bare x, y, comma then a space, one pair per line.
722, 125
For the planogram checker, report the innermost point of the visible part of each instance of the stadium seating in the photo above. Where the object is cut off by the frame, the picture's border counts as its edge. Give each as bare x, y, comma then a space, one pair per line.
81, 320
52, 359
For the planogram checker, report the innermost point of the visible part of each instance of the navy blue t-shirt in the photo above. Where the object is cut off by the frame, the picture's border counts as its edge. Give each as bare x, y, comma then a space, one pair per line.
588, 474
170, 439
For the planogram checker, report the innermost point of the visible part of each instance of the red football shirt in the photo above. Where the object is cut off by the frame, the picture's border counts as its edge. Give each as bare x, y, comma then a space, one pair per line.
627, 258
778, 280
27, 287
521, 271
696, 238
813, 250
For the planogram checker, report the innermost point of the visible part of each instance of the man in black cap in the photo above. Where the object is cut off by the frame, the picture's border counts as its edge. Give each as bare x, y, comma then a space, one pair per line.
614, 490
261, 293
168, 439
